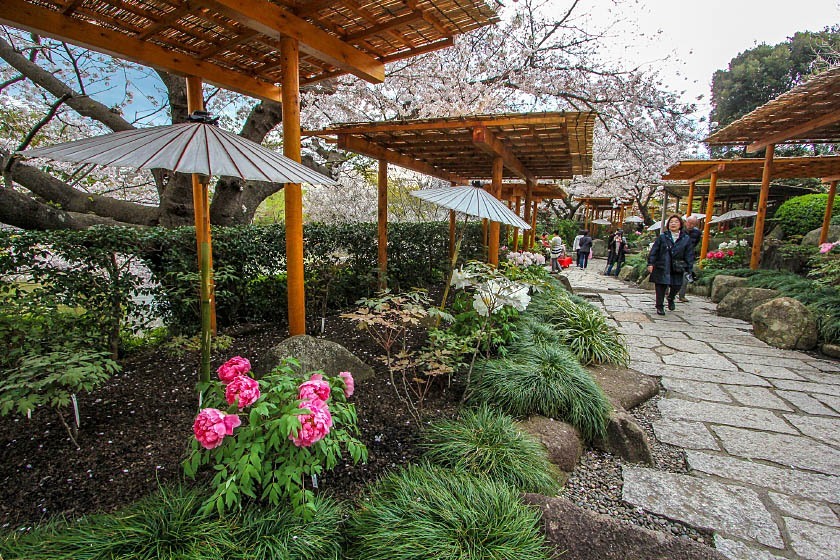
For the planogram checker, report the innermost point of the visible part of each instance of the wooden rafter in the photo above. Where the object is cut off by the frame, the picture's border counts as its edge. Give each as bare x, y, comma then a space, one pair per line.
796, 131
360, 146
486, 141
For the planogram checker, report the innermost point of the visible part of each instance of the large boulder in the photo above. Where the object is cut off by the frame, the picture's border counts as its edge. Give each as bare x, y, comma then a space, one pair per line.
813, 236
628, 273
785, 323
625, 438
739, 303
624, 387
831, 350
599, 248
723, 284
645, 282
580, 534
699, 290
561, 440
318, 354
776, 233
777, 255
565, 282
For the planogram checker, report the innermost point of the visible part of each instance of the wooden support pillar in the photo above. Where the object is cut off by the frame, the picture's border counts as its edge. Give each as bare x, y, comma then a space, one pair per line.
496, 191
526, 235
690, 201
534, 225
451, 234
829, 206
289, 77
758, 235
710, 206
382, 223
516, 230
204, 246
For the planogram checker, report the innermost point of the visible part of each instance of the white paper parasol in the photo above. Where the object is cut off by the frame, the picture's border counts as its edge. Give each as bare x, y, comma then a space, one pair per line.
472, 201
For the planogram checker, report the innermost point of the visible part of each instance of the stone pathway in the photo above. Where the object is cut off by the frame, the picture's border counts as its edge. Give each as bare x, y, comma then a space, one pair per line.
760, 426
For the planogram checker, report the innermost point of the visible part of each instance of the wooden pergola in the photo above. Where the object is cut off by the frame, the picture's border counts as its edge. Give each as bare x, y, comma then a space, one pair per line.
809, 114
595, 207
525, 147
694, 171
254, 47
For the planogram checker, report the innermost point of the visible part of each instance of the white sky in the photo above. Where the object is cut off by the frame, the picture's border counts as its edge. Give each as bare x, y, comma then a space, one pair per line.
702, 35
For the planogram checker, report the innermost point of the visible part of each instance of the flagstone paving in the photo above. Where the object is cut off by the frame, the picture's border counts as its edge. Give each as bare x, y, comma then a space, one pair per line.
760, 426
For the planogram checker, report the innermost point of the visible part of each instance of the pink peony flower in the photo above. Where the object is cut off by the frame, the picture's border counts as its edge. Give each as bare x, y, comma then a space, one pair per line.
212, 425
730, 253
315, 388
719, 255
349, 384
826, 247
232, 368
710, 255
242, 390
313, 426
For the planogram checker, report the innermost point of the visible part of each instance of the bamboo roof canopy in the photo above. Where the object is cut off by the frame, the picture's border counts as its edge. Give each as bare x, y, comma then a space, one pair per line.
541, 191
234, 44
808, 113
751, 169
533, 146
736, 189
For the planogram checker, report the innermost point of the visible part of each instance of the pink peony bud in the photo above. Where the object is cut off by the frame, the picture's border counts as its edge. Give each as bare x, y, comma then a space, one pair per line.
313, 426
349, 384
315, 388
242, 390
232, 368
212, 425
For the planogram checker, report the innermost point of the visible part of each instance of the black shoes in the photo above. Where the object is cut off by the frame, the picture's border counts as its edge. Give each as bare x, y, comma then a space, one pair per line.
660, 311
671, 305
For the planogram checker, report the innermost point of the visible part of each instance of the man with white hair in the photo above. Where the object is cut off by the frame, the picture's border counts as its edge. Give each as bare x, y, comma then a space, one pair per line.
695, 234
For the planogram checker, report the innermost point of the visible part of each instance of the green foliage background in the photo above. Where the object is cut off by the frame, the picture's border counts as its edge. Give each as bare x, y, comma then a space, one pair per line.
801, 214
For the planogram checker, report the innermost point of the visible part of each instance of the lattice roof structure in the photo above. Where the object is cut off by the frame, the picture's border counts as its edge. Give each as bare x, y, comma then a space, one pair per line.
751, 169
808, 113
235, 43
534, 146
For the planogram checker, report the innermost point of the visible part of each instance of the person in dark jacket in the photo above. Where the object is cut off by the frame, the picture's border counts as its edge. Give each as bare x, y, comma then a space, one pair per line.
695, 234
583, 249
616, 252
671, 256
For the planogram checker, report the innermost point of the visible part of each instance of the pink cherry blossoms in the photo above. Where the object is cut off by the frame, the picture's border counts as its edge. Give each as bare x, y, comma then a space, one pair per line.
212, 425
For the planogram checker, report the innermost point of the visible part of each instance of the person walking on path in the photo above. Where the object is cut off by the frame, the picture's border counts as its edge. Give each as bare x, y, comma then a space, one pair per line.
695, 234
576, 247
584, 247
556, 250
671, 256
616, 252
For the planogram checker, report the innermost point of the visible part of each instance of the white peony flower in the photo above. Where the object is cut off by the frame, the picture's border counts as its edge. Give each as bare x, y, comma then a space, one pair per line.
743, 243
461, 279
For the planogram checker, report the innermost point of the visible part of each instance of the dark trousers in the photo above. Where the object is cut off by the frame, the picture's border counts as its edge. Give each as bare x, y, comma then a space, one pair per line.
583, 258
660, 294
617, 268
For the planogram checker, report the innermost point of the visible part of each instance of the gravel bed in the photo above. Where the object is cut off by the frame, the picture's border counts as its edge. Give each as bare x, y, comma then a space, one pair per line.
596, 483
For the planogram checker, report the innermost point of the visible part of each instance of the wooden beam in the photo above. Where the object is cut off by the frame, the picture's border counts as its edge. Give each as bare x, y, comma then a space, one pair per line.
431, 47
275, 22
496, 191
382, 223
813, 124
830, 178
706, 173
362, 146
758, 234
435, 124
710, 208
26, 16
832, 191
486, 141
384, 26
289, 55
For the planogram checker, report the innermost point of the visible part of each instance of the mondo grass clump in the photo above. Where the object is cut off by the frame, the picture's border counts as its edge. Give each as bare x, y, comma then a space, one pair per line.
424, 512
547, 380
170, 525
581, 327
485, 442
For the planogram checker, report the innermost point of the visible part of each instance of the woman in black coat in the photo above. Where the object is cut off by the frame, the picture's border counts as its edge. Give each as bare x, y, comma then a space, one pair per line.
616, 252
671, 256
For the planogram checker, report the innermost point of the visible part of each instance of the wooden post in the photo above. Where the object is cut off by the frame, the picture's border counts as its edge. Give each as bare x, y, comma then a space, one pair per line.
534, 225
710, 207
829, 206
451, 234
382, 223
204, 247
289, 71
690, 201
496, 191
516, 230
529, 194
758, 235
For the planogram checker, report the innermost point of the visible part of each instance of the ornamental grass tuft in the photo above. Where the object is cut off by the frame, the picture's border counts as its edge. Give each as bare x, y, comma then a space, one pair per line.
485, 442
424, 512
546, 380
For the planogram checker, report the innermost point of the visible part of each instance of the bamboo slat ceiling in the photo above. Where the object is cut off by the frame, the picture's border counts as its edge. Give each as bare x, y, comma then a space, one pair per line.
235, 43
542, 191
532, 145
808, 113
751, 169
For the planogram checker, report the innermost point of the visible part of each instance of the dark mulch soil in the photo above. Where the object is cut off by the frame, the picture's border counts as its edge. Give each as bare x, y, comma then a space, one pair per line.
135, 430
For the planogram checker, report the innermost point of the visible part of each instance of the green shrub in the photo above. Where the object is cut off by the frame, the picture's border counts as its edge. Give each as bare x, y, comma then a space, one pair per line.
277, 534
801, 214
425, 512
545, 380
168, 525
485, 442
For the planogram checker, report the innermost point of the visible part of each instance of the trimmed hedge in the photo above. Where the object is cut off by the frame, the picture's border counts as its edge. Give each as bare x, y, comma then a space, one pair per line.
801, 214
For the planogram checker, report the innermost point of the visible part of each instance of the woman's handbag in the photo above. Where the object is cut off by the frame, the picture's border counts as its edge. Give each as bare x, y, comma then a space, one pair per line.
678, 267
